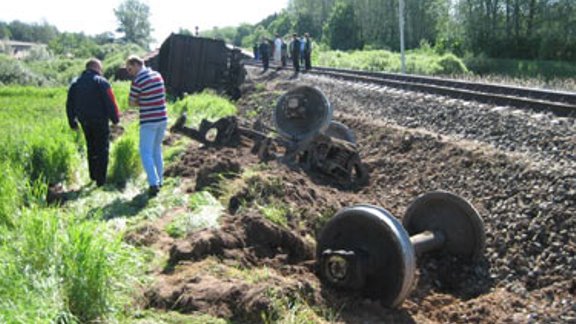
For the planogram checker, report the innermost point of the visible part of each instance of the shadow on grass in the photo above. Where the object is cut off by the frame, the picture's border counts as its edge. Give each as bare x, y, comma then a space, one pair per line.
120, 208
57, 196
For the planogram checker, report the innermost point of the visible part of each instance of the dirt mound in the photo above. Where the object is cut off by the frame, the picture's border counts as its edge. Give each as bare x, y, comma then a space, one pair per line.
250, 239
526, 274
229, 298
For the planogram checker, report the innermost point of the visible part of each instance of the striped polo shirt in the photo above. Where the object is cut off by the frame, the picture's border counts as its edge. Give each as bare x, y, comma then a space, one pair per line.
148, 91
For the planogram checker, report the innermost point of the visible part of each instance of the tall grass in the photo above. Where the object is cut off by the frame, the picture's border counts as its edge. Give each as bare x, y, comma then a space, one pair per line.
417, 62
56, 268
34, 133
11, 197
125, 158
205, 105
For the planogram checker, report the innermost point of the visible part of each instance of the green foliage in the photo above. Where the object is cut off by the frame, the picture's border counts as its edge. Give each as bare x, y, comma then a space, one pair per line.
26, 122
88, 267
59, 270
11, 192
342, 30
281, 25
125, 158
59, 71
73, 45
36, 33
305, 24
547, 70
205, 105
117, 59
227, 34
13, 71
133, 17
276, 213
52, 160
425, 62
255, 38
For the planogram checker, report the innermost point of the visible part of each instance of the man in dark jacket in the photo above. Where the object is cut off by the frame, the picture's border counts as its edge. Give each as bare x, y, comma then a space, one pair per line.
92, 103
295, 53
307, 52
265, 53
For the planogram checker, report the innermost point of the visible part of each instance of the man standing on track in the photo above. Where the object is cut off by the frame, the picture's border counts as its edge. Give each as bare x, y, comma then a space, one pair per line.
148, 92
295, 53
277, 49
91, 102
307, 52
265, 54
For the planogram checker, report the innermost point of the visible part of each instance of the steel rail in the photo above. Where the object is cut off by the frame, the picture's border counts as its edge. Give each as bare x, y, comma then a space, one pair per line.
561, 104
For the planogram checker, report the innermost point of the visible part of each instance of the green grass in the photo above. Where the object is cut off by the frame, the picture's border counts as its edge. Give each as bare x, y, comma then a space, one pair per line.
56, 268
125, 158
205, 105
417, 62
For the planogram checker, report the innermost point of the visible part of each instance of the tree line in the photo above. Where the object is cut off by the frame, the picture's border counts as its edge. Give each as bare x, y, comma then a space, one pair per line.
520, 29
517, 29
133, 25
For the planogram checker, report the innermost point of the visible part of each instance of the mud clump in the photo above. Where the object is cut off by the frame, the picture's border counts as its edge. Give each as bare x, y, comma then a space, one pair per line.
251, 239
228, 298
209, 175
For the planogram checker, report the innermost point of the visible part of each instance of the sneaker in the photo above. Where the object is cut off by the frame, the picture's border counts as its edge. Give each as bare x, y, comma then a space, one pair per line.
153, 191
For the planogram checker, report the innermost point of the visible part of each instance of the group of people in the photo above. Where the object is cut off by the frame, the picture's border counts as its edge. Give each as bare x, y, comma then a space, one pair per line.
92, 104
298, 50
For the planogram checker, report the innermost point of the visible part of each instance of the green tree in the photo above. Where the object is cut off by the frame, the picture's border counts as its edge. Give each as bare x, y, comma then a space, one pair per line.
282, 25
342, 29
241, 32
5, 31
74, 45
133, 17
305, 24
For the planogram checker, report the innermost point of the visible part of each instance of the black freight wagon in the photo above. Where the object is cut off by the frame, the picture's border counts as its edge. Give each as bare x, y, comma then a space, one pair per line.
190, 64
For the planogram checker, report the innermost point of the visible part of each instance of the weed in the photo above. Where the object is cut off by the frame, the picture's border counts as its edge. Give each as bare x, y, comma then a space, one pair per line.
125, 158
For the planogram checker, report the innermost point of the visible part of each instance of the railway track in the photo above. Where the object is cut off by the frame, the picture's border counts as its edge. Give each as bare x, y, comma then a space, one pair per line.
562, 104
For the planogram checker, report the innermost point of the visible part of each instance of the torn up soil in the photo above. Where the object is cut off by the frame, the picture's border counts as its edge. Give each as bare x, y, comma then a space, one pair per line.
249, 269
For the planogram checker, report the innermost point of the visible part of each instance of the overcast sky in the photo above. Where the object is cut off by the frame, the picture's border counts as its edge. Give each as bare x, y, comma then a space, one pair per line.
166, 16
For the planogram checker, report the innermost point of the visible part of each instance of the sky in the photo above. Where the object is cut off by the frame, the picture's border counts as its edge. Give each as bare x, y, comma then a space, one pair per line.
166, 16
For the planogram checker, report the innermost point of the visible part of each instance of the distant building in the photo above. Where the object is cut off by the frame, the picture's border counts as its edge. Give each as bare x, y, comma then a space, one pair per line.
17, 49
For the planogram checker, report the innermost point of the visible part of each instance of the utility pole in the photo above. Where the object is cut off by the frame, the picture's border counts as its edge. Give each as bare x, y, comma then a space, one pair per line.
401, 22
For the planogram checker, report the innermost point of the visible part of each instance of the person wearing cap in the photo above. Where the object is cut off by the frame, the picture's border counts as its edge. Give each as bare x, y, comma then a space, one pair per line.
147, 92
91, 102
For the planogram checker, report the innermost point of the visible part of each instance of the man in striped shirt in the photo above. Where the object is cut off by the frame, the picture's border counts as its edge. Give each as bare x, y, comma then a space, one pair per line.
148, 93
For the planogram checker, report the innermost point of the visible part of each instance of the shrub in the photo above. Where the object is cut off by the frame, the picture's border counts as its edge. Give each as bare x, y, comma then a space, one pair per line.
53, 160
450, 64
125, 158
13, 71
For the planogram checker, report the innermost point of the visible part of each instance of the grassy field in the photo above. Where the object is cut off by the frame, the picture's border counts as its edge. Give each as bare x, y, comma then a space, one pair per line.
68, 263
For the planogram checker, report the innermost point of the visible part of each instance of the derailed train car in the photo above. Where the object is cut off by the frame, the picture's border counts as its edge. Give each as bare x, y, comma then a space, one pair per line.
191, 64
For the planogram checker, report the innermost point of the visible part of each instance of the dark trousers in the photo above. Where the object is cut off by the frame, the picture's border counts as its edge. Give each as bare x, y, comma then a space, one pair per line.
265, 62
307, 61
296, 63
97, 142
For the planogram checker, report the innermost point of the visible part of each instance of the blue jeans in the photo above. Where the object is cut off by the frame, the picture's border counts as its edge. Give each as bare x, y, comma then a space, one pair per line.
151, 136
